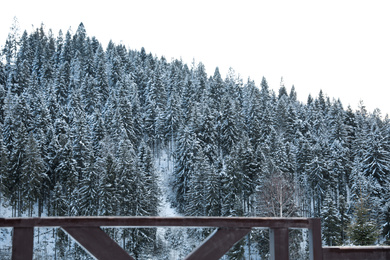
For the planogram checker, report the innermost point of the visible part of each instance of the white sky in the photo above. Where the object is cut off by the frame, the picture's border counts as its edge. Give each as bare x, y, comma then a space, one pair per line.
339, 46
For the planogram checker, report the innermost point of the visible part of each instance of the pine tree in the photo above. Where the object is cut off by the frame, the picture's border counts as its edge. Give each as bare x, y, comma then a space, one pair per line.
147, 168
98, 132
33, 176
330, 222
376, 157
3, 166
107, 172
197, 191
79, 133
213, 195
363, 231
215, 90
23, 66
188, 146
316, 170
206, 132
345, 218
65, 174
100, 80
11, 47
125, 107
229, 127
89, 193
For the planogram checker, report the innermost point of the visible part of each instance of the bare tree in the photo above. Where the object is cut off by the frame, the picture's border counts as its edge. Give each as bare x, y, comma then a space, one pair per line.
277, 195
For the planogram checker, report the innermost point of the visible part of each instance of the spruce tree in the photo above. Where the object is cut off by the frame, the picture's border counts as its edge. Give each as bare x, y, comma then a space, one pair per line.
188, 146
330, 222
33, 175
363, 230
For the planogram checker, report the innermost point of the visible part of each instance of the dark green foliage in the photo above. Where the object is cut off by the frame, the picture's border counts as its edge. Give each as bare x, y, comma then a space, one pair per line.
363, 230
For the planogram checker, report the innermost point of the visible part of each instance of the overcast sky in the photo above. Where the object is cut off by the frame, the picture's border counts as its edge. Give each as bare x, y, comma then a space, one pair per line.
339, 46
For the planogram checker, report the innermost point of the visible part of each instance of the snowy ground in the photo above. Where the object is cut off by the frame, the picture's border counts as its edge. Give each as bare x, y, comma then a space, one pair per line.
164, 171
164, 167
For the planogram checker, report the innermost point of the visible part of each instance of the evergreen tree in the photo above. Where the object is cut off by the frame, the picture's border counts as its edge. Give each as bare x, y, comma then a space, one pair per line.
363, 231
229, 128
100, 81
345, 218
213, 195
64, 174
197, 191
330, 222
188, 145
215, 90
149, 180
88, 187
206, 132
33, 176
108, 201
3, 166
252, 113
79, 134
376, 157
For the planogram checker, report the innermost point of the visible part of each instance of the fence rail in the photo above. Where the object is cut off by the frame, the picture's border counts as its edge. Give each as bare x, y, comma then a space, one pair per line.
356, 252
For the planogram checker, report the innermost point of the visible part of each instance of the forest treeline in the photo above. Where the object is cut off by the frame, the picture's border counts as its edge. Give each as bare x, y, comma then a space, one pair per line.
82, 128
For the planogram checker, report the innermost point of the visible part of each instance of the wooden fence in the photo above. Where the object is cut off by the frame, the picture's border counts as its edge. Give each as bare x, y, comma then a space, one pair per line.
228, 231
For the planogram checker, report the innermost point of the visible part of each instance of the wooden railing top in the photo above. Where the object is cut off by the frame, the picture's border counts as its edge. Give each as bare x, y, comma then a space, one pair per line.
235, 222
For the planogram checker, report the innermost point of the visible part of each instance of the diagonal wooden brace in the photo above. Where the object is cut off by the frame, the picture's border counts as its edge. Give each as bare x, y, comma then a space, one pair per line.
218, 243
97, 243
23, 243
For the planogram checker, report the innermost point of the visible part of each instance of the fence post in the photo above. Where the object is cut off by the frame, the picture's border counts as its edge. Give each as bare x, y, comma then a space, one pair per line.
315, 243
23, 243
278, 239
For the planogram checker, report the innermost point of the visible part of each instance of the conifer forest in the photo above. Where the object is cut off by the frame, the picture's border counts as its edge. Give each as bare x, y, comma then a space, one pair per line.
92, 130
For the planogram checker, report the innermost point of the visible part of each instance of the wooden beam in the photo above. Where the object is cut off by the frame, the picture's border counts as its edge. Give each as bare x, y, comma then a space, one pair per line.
218, 243
233, 222
97, 243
